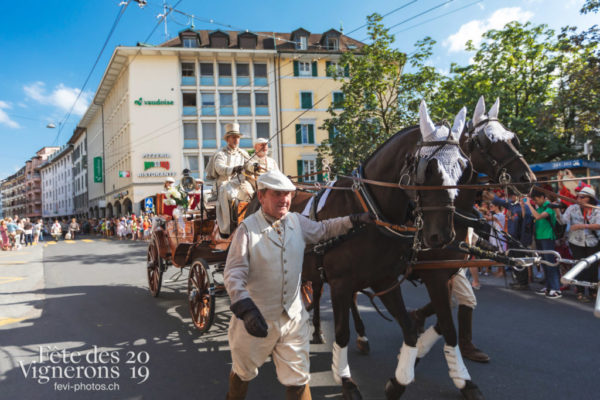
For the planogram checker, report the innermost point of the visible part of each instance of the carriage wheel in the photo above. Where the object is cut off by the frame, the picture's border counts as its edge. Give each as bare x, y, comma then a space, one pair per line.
155, 272
307, 295
201, 295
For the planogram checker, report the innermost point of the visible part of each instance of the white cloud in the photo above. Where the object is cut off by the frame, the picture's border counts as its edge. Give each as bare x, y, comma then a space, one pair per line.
62, 97
5, 118
473, 30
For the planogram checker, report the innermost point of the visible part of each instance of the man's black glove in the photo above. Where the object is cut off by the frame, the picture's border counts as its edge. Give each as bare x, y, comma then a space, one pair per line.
238, 169
362, 219
256, 167
485, 245
254, 322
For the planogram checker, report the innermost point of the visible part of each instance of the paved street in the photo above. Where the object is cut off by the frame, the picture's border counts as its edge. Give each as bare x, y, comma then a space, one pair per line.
91, 297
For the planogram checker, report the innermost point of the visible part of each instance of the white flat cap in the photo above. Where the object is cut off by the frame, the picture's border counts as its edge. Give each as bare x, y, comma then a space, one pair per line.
169, 179
275, 180
261, 141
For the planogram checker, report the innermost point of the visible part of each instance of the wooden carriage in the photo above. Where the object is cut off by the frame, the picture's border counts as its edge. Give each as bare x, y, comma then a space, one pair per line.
193, 241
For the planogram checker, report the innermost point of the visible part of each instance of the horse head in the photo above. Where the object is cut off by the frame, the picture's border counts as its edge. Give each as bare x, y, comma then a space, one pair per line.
440, 162
494, 150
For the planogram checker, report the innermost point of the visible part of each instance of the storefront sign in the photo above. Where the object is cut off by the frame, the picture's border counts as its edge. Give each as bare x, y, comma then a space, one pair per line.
156, 164
156, 155
157, 102
124, 174
147, 174
97, 169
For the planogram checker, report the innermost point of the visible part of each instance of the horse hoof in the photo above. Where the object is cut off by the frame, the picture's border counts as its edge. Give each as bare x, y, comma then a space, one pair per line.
318, 338
393, 389
350, 390
471, 391
363, 346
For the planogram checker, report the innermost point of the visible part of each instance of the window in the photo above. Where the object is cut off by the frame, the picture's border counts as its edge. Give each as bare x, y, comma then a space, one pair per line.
206, 74
244, 106
338, 99
305, 133
262, 130
190, 136
260, 74
304, 68
332, 43
190, 42
307, 167
208, 103
302, 43
306, 100
226, 103
191, 163
225, 74
243, 74
209, 135
246, 131
189, 99
205, 159
334, 69
188, 74
261, 103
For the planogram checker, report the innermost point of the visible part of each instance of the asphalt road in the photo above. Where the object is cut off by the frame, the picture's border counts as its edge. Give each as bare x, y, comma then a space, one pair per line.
86, 305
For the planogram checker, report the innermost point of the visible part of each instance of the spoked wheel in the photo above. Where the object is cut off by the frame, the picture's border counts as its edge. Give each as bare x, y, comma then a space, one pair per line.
307, 295
201, 295
155, 270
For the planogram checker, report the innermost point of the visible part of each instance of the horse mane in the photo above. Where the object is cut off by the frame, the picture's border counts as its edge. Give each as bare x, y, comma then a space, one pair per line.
388, 140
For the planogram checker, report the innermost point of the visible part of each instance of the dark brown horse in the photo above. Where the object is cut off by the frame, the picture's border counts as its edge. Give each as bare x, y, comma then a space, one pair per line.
494, 154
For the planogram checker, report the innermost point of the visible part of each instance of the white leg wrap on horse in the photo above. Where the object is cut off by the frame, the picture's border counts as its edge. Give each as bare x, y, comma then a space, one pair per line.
456, 366
363, 338
405, 371
426, 341
340, 366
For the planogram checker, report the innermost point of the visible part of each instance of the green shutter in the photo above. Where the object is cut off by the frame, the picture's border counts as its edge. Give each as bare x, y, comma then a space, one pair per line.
314, 68
327, 65
311, 134
306, 100
296, 69
346, 70
300, 172
330, 131
298, 134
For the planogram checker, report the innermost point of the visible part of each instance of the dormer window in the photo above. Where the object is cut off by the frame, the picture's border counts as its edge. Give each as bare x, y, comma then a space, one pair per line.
190, 42
333, 43
302, 43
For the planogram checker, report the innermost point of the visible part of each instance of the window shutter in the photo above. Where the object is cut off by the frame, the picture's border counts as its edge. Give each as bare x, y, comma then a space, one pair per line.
320, 177
327, 65
298, 134
296, 69
311, 134
330, 131
314, 68
300, 172
346, 70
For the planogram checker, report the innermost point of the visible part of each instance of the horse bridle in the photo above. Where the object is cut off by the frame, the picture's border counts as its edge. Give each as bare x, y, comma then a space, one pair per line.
481, 140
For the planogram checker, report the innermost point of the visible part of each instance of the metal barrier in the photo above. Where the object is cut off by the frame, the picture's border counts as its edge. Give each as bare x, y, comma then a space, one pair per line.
569, 277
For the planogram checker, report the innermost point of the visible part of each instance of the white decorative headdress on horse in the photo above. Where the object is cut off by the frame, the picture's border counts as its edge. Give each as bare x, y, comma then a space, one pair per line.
451, 162
494, 129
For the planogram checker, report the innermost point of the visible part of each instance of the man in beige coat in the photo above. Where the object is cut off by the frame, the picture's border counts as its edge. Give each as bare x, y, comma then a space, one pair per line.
229, 163
263, 277
260, 162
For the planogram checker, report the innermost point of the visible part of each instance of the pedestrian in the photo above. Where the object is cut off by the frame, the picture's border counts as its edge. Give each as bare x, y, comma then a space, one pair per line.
146, 226
545, 218
28, 232
56, 230
583, 224
262, 278
73, 228
4, 235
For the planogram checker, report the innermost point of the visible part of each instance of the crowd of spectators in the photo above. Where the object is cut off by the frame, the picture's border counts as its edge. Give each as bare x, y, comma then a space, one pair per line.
543, 221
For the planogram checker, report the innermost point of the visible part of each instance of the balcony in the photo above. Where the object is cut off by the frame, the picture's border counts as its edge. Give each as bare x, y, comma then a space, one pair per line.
226, 110
190, 143
262, 110
188, 81
207, 80
209, 143
243, 81
259, 81
208, 110
189, 110
244, 110
225, 81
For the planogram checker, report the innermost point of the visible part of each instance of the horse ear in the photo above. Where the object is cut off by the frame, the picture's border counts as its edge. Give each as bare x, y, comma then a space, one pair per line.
493, 113
459, 123
479, 114
425, 123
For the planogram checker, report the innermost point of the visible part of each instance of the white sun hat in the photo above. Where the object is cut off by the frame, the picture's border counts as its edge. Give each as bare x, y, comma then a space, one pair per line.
275, 180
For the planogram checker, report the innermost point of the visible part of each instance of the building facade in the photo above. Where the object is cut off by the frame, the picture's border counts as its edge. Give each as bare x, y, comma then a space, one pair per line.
57, 184
14, 195
33, 182
161, 109
79, 173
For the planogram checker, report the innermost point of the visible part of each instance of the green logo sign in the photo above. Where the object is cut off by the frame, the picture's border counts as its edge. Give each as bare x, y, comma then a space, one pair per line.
97, 169
157, 102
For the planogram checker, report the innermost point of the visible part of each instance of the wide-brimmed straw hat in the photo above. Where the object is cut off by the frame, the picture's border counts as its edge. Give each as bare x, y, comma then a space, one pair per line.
588, 191
275, 180
232, 130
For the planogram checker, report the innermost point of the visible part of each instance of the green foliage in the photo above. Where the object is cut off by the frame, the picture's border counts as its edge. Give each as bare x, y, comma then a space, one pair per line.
590, 6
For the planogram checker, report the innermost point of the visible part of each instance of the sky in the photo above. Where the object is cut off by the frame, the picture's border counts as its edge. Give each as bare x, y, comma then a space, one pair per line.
49, 47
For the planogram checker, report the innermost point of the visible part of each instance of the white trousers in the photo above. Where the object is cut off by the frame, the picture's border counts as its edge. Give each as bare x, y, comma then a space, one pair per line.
229, 191
287, 342
462, 291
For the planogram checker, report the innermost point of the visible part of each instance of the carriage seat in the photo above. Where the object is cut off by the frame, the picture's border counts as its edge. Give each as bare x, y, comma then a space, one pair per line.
162, 208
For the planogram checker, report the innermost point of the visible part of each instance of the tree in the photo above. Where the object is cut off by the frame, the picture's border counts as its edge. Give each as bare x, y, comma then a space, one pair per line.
379, 97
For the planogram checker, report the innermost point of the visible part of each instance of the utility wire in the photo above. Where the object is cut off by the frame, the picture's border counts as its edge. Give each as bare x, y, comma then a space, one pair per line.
383, 16
439, 16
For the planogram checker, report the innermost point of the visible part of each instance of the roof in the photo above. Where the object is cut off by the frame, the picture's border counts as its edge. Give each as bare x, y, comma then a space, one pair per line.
281, 41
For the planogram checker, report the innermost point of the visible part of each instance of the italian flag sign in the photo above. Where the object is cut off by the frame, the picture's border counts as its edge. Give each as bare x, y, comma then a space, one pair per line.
157, 164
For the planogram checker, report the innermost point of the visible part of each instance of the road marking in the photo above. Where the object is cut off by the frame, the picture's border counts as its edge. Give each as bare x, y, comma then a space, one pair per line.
6, 321
9, 279
104, 240
87, 240
12, 262
69, 241
52, 243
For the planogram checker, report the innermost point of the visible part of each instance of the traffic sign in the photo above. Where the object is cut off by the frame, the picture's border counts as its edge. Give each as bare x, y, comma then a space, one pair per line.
149, 204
